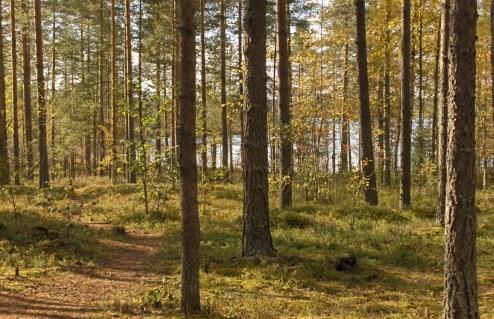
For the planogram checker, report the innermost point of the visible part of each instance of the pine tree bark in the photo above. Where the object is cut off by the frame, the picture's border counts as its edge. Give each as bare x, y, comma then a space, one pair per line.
256, 229
15, 119
367, 159
461, 291
44, 176
28, 113
406, 110
187, 160
443, 111
286, 148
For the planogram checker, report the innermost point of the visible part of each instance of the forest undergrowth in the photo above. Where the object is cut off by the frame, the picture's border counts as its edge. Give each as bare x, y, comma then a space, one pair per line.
69, 233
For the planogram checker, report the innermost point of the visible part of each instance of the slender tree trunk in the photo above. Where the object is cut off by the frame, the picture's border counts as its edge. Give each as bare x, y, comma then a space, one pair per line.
421, 146
28, 117
284, 106
113, 95
443, 109
256, 229
406, 111
187, 159
461, 291
4, 156
176, 75
367, 160
387, 98
435, 103
142, 130
44, 176
345, 127
101, 120
15, 120
204, 111
130, 95
224, 120
53, 89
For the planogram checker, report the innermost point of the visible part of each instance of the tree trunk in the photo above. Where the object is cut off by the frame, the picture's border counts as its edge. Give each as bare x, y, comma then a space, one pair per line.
461, 292
286, 149
28, 113
443, 109
224, 120
53, 88
113, 95
130, 95
345, 127
15, 120
4, 156
435, 103
101, 120
406, 111
142, 130
421, 146
204, 111
187, 158
387, 98
256, 229
367, 159
44, 176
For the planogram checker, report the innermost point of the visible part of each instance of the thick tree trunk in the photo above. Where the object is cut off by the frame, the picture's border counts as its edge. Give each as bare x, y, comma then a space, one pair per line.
187, 160
443, 111
28, 112
15, 120
461, 292
286, 148
44, 176
256, 230
367, 159
406, 110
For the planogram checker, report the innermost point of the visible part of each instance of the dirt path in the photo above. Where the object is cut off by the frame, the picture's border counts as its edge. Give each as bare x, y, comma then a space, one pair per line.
82, 292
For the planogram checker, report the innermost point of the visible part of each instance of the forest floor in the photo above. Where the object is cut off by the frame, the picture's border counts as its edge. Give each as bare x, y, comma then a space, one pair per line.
90, 251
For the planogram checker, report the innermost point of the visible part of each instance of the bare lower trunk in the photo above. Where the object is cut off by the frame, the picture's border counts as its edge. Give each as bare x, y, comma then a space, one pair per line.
256, 233
461, 292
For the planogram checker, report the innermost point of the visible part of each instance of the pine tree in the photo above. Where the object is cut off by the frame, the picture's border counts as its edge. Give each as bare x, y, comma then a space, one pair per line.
461, 291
